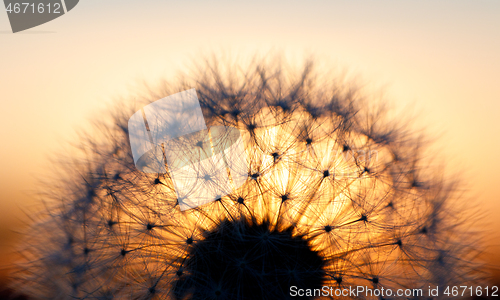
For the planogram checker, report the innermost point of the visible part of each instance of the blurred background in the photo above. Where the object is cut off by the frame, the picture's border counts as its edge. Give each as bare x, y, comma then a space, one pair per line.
438, 61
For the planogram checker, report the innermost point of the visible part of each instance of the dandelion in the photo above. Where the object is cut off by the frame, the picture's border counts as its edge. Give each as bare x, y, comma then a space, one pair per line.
337, 195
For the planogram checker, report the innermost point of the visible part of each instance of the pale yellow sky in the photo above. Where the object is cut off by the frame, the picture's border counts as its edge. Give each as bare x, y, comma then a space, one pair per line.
442, 60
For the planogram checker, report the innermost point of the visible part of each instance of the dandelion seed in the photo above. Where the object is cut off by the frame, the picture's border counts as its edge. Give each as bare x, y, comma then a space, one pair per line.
316, 209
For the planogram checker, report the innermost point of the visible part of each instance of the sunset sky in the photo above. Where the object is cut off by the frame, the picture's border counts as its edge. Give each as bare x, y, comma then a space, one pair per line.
436, 62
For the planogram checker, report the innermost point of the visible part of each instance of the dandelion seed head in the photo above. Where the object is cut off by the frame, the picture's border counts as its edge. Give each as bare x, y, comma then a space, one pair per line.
337, 194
